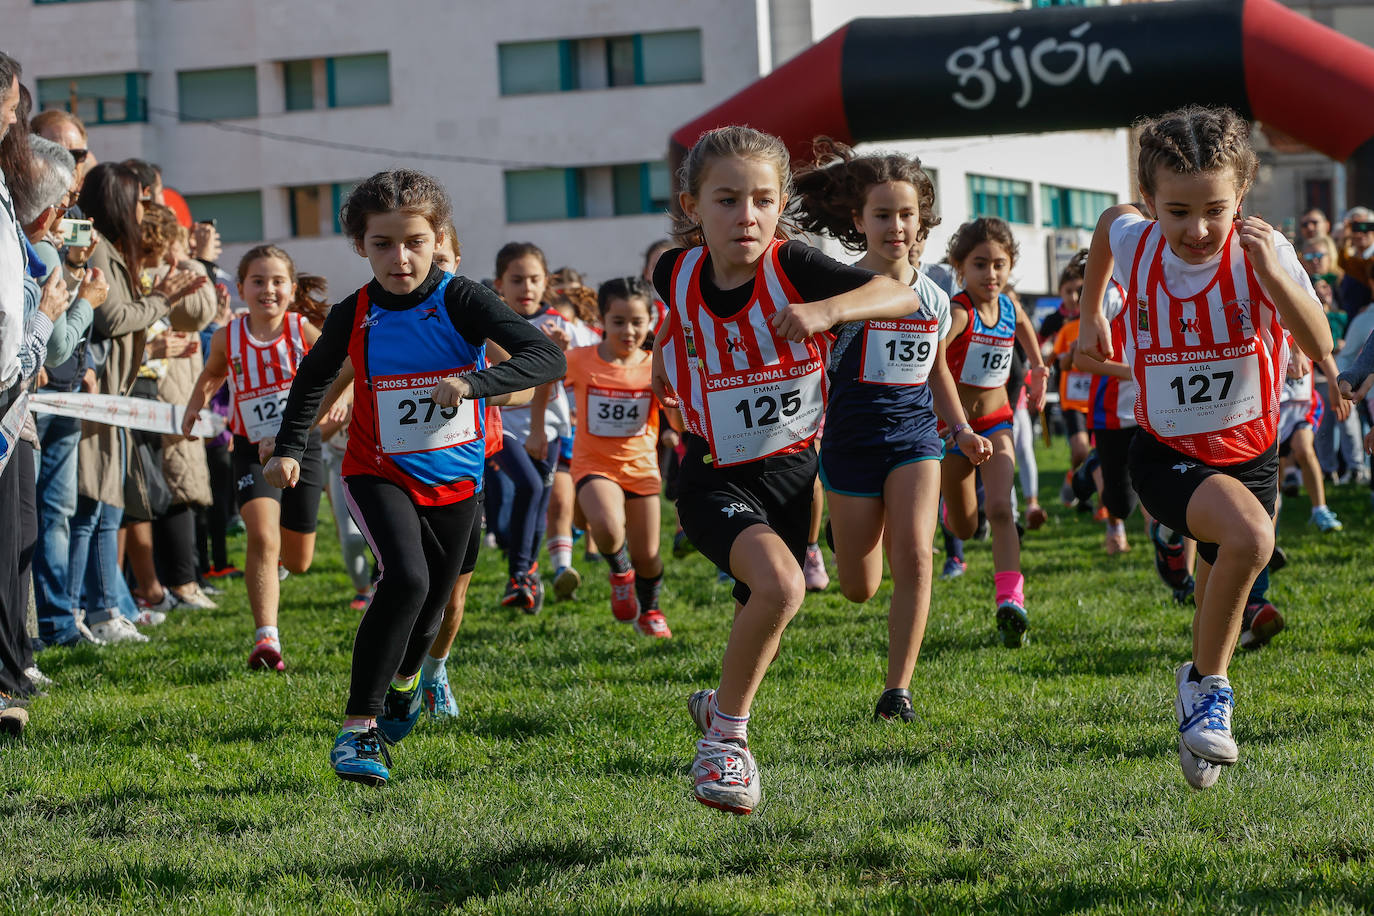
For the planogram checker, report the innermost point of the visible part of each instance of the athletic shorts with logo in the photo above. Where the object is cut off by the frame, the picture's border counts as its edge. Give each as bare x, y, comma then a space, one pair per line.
300, 505
715, 505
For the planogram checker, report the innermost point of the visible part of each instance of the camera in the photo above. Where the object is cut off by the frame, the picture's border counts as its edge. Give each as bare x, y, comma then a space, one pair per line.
75, 233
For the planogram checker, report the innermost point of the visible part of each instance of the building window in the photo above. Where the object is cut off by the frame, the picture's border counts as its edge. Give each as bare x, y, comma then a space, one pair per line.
204, 95
1063, 208
337, 82
648, 59
357, 80
1001, 197
105, 98
543, 194
314, 208
238, 214
629, 189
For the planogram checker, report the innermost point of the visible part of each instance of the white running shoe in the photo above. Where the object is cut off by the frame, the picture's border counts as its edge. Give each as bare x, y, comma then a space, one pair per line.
150, 618
165, 603
699, 705
36, 677
1204, 716
724, 776
196, 598
117, 629
813, 570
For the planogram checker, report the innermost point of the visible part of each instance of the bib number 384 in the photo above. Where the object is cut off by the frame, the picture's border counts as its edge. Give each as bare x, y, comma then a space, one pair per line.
615, 413
898, 352
1203, 397
408, 420
750, 421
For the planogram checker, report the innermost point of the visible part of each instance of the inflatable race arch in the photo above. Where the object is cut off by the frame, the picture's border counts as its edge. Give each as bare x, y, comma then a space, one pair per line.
1068, 68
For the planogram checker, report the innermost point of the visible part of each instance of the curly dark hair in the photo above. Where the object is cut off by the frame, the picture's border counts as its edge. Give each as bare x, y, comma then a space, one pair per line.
834, 188
398, 189
1194, 140
984, 229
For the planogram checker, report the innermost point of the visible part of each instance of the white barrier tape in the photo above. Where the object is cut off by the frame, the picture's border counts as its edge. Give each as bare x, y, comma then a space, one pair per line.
10, 426
130, 413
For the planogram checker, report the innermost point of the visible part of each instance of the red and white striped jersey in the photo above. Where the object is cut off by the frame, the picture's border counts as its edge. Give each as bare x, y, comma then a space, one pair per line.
1111, 405
260, 375
1209, 367
748, 392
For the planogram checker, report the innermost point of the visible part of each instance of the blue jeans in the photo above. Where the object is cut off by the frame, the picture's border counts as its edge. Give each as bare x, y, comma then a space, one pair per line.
94, 561
531, 483
56, 505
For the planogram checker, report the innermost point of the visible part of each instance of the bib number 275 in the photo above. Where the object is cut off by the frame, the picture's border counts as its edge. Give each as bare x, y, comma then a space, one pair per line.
411, 408
766, 410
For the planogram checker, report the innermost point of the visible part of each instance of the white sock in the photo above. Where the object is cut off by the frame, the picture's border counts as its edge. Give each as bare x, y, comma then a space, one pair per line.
267, 633
725, 726
431, 666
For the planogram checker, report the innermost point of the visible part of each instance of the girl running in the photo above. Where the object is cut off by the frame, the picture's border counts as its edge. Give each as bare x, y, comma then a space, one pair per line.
1209, 296
532, 432
260, 353
415, 336
880, 457
615, 453
985, 324
739, 354
1074, 384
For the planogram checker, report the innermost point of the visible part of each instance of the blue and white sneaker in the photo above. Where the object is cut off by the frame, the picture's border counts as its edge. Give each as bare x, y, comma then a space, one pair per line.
1204, 716
954, 568
1199, 773
400, 711
437, 697
1325, 520
1012, 621
360, 755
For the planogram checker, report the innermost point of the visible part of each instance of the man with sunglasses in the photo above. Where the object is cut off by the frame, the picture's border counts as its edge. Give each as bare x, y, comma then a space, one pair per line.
65, 128
1313, 225
1357, 259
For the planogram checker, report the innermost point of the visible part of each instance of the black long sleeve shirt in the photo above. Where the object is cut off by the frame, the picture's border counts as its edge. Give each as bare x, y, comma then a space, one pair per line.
476, 312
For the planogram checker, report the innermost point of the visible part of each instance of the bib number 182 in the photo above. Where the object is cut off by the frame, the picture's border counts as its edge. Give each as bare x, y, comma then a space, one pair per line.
993, 361
768, 408
1201, 385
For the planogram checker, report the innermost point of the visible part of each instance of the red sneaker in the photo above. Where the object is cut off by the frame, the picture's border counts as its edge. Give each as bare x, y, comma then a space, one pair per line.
624, 603
652, 623
266, 654
224, 572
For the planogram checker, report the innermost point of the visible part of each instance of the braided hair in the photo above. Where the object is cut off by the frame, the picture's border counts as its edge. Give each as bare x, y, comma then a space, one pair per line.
1195, 140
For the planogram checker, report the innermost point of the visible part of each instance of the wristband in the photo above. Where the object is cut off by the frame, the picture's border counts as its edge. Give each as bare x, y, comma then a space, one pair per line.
959, 428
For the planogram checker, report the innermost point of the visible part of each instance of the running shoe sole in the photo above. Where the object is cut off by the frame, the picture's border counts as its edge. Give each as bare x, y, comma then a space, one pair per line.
1011, 623
267, 658
565, 584
699, 705
1267, 624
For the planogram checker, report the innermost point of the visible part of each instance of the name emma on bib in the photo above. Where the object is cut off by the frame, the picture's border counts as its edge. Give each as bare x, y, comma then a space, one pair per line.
763, 376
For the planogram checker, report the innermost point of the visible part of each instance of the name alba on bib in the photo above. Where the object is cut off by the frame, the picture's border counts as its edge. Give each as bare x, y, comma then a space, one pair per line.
899, 352
755, 414
1203, 391
617, 413
408, 420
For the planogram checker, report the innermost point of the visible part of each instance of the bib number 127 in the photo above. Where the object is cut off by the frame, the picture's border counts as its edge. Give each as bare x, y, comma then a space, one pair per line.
1200, 384
765, 409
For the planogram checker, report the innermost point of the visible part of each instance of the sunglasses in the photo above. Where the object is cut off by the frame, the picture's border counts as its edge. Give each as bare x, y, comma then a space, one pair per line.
1313, 255
79, 155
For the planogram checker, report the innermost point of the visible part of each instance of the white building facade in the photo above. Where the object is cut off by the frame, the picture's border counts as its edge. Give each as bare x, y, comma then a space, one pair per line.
548, 122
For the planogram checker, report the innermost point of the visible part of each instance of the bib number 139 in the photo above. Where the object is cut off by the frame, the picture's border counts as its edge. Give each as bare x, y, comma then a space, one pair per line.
768, 409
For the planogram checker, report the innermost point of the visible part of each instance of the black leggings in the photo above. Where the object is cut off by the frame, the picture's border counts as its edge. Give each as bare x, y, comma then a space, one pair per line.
174, 542
212, 524
420, 551
1113, 449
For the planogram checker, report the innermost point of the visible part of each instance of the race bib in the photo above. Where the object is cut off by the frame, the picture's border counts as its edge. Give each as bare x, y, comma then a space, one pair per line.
261, 411
899, 352
759, 413
616, 413
1298, 389
1206, 396
987, 363
408, 420
1078, 386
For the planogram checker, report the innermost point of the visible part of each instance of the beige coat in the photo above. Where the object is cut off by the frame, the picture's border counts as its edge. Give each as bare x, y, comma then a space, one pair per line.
183, 462
121, 324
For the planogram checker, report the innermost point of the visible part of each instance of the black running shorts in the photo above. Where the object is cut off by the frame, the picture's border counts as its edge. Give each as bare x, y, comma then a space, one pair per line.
299, 505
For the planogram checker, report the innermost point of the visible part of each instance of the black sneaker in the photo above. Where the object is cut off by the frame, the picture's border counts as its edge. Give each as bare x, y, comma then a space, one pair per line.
518, 594
535, 586
682, 546
1278, 559
894, 705
1170, 564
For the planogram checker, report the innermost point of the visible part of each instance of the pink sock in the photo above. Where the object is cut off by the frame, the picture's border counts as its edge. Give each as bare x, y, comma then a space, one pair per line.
1010, 587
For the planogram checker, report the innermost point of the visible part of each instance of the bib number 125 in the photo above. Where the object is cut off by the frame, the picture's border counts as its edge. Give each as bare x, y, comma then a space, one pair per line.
766, 410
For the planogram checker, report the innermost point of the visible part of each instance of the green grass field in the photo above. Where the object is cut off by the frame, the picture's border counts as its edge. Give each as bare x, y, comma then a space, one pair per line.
166, 777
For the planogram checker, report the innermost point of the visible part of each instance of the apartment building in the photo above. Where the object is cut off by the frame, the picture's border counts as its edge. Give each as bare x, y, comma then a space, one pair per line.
548, 122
